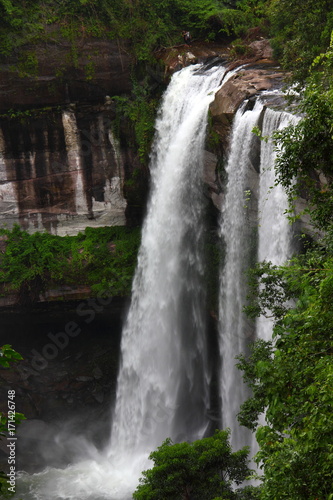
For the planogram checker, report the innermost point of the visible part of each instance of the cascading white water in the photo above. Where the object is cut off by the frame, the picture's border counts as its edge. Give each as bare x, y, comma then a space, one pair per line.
162, 385
275, 231
235, 330
274, 244
163, 382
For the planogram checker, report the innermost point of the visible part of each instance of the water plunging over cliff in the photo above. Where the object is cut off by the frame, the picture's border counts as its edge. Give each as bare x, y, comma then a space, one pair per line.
275, 231
163, 384
162, 387
253, 230
235, 330
275, 235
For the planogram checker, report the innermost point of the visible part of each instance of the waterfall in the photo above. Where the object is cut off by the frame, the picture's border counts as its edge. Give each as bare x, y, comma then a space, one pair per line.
237, 233
250, 234
275, 231
163, 384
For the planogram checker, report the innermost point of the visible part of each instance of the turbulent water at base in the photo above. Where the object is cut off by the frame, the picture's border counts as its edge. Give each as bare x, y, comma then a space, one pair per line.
163, 384
248, 238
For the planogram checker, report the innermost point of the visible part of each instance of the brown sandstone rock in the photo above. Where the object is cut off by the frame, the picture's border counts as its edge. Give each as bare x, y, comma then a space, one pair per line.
244, 84
100, 68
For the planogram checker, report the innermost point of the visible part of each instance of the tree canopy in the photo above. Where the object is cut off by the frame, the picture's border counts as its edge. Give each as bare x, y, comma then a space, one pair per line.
202, 470
299, 30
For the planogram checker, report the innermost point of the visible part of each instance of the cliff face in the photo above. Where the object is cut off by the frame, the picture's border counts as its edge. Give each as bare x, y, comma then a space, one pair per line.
67, 380
61, 171
245, 84
61, 166
59, 73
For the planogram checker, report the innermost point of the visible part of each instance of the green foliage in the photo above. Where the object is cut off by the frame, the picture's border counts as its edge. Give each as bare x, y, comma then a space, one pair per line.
268, 291
307, 148
24, 115
291, 378
247, 14
256, 130
103, 258
301, 30
239, 49
202, 470
249, 493
28, 64
8, 356
140, 109
233, 22
146, 25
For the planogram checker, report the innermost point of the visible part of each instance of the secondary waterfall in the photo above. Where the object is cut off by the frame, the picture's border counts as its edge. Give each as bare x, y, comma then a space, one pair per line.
255, 228
275, 235
163, 384
275, 231
236, 230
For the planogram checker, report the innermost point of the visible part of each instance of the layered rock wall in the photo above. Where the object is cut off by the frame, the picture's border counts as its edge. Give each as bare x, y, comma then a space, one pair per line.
61, 167
61, 171
62, 73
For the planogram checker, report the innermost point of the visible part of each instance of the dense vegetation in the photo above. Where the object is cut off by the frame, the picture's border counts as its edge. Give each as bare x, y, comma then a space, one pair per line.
292, 376
101, 258
148, 25
300, 30
203, 470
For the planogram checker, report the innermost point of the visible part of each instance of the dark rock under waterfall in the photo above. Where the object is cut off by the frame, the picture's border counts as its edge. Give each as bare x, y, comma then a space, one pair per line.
69, 372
